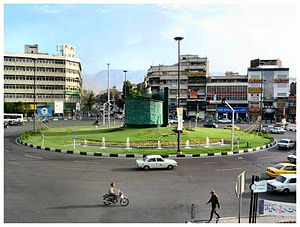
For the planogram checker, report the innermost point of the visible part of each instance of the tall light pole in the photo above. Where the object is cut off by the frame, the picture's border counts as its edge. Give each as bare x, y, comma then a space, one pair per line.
108, 95
261, 98
178, 39
125, 71
34, 96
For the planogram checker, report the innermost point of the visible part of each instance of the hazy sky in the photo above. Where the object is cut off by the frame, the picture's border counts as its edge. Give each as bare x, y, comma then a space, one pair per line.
134, 36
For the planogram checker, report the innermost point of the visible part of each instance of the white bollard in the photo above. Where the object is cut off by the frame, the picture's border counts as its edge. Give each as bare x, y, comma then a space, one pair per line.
128, 144
85, 143
222, 142
187, 144
158, 145
207, 141
103, 143
74, 143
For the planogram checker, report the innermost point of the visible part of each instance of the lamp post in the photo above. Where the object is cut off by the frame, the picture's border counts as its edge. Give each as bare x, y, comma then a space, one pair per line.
108, 96
125, 71
34, 97
261, 98
178, 39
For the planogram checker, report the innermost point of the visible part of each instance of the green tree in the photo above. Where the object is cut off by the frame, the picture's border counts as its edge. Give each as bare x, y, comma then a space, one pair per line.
88, 99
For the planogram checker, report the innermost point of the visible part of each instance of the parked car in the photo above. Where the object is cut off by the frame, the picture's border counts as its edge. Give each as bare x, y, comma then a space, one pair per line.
281, 168
230, 127
286, 144
292, 157
210, 125
277, 130
155, 162
284, 183
224, 120
263, 130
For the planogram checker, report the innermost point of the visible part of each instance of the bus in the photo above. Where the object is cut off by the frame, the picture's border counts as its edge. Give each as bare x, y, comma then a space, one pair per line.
13, 119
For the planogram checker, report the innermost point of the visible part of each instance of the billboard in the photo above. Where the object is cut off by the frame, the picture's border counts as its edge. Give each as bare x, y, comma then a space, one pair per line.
254, 90
45, 111
59, 107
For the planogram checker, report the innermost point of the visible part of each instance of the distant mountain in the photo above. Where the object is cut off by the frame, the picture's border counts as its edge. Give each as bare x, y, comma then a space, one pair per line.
99, 81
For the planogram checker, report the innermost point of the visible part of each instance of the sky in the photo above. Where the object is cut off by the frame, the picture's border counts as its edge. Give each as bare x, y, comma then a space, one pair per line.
135, 36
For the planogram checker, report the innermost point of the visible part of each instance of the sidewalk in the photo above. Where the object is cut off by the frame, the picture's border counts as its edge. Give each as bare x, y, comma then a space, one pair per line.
259, 219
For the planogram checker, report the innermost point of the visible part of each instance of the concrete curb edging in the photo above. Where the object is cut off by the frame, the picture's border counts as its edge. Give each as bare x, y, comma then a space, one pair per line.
109, 155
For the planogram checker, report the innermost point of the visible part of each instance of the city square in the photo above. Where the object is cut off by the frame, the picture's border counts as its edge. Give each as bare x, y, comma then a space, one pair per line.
175, 117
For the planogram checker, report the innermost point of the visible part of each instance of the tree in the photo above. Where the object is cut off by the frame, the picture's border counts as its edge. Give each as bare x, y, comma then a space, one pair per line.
88, 99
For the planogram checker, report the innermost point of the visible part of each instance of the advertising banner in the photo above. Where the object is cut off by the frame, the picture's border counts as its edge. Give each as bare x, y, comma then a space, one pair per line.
254, 90
59, 107
45, 111
180, 118
268, 207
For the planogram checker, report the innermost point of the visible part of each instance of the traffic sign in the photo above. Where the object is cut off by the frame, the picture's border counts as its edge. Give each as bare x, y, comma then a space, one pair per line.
259, 186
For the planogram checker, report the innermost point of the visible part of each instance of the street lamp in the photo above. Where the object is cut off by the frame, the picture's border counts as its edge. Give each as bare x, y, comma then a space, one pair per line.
178, 39
108, 95
125, 71
34, 97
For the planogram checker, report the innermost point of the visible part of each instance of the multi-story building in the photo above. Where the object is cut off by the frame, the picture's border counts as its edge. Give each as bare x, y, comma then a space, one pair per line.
193, 75
268, 89
54, 81
232, 87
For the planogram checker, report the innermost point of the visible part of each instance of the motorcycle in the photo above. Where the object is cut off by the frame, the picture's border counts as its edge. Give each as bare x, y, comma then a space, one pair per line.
108, 199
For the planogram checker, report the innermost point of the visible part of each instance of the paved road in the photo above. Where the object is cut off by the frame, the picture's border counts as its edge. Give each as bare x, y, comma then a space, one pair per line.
43, 186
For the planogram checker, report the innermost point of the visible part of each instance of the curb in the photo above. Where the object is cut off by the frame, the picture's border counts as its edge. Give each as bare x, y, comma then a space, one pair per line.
109, 155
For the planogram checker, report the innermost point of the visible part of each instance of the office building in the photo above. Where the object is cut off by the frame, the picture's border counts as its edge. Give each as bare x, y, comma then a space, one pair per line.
194, 71
268, 89
53, 82
232, 87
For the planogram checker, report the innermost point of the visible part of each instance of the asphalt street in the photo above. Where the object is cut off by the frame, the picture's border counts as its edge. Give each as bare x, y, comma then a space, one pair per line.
48, 187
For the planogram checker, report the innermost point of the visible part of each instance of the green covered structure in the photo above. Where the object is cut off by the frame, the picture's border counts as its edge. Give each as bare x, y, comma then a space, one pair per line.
143, 112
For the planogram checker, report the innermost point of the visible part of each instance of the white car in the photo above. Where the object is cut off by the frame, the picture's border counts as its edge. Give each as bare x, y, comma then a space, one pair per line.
286, 144
224, 120
292, 157
284, 183
277, 130
155, 162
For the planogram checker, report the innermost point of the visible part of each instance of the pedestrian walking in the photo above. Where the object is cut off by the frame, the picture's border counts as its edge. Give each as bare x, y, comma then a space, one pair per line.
214, 200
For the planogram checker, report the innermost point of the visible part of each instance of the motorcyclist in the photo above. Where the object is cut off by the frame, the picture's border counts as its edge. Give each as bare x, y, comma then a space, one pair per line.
113, 191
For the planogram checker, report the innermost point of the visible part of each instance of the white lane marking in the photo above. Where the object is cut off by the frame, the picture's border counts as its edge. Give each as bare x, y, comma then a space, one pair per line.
228, 169
80, 169
81, 162
7, 150
265, 157
33, 156
210, 162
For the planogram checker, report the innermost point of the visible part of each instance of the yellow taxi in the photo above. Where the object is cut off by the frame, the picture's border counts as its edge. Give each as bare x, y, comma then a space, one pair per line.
230, 127
281, 168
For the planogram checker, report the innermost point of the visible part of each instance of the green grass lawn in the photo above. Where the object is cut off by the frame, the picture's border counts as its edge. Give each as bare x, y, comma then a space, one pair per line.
62, 138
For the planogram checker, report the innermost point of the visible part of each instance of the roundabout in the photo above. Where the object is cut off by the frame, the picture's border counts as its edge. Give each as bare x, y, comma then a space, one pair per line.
132, 142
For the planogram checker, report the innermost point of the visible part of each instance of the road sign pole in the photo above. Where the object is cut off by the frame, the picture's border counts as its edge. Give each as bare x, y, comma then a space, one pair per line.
251, 200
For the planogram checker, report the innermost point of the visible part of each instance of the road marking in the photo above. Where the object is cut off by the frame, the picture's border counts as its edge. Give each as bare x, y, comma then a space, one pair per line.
33, 156
210, 162
227, 169
81, 162
7, 150
240, 158
265, 157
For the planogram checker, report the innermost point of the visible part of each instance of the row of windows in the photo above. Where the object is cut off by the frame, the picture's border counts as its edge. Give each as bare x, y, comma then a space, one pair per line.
40, 69
22, 95
41, 78
215, 89
182, 91
230, 97
41, 87
48, 61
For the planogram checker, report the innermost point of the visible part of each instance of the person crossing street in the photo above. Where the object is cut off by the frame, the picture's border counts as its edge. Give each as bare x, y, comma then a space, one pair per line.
214, 200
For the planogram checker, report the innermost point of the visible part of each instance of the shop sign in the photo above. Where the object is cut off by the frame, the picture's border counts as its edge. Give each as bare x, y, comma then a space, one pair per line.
59, 107
72, 92
190, 74
228, 110
254, 110
193, 95
281, 104
254, 90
